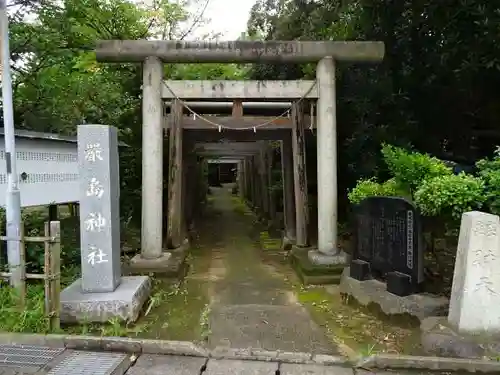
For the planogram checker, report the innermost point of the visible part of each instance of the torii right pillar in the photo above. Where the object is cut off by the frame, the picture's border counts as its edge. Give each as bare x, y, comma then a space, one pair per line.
328, 252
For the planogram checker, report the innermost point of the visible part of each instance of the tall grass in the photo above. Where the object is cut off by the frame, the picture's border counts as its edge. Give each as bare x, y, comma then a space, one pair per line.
31, 319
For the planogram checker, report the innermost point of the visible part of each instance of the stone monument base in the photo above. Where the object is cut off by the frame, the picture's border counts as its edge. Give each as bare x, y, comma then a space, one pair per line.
374, 291
287, 243
439, 338
318, 258
169, 264
151, 265
125, 302
311, 273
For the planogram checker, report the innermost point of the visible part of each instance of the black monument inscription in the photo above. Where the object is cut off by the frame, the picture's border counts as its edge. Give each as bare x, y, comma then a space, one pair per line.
388, 244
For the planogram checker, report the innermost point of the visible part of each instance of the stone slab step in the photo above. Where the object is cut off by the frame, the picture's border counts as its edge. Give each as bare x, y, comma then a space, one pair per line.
225, 367
167, 365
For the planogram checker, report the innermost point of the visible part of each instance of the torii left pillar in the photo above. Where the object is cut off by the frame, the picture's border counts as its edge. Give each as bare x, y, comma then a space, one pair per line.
152, 257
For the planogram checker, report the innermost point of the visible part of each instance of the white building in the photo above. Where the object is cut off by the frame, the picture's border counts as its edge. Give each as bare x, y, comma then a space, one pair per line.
47, 165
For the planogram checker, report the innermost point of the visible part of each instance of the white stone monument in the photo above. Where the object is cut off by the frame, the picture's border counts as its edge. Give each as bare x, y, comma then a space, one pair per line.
102, 293
472, 328
475, 296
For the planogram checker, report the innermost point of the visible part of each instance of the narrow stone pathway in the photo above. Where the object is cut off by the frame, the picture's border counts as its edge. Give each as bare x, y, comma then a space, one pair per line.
251, 305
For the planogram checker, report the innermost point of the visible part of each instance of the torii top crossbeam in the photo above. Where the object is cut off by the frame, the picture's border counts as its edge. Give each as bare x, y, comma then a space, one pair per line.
172, 51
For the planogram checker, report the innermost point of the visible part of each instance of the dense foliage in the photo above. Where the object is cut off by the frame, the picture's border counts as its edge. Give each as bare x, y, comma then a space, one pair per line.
436, 88
433, 187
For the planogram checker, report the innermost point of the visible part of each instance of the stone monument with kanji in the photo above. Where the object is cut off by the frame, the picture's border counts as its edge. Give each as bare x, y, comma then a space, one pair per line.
101, 293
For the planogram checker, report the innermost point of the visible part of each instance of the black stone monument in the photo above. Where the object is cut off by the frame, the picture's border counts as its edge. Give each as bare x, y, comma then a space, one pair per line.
388, 244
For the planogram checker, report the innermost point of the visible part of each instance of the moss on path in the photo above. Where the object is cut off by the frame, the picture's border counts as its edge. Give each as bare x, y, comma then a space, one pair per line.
251, 302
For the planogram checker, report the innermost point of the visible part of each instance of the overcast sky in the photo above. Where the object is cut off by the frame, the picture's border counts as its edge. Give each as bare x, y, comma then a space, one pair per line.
228, 17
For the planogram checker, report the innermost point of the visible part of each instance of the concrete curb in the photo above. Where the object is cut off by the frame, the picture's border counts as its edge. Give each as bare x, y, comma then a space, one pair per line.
180, 348
187, 348
394, 361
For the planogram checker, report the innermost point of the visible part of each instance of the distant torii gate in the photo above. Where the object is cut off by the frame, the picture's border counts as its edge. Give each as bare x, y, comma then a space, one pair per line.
154, 53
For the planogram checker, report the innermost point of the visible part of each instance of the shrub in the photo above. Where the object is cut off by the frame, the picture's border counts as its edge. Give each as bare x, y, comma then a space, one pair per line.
432, 186
34, 225
410, 169
371, 188
450, 196
489, 171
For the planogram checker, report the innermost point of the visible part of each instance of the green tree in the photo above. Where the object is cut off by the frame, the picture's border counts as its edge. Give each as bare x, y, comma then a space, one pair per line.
57, 83
435, 88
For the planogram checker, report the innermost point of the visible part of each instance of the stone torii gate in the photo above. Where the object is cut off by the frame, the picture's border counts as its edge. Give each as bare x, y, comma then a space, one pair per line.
256, 193
325, 53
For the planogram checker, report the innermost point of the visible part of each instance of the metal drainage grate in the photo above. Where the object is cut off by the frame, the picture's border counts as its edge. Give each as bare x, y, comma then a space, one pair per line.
88, 363
27, 355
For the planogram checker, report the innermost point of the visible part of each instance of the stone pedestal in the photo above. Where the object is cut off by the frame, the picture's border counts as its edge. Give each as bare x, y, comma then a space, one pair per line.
170, 264
287, 243
374, 291
138, 264
125, 302
328, 259
441, 339
311, 272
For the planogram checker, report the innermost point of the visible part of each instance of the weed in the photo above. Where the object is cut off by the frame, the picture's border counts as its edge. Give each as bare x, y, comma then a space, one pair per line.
116, 328
204, 323
86, 327
155, 300
113, 328
368, 350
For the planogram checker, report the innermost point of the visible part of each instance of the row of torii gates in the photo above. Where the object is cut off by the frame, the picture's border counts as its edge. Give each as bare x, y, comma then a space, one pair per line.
244, 139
